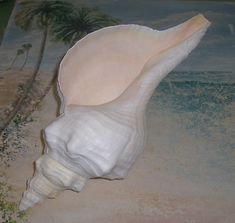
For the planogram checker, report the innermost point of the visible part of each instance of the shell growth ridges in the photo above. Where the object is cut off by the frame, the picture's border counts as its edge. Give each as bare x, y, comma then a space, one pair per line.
50, 178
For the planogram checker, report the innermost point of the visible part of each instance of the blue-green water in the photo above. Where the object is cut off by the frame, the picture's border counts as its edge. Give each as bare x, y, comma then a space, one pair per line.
205, 111
214, 98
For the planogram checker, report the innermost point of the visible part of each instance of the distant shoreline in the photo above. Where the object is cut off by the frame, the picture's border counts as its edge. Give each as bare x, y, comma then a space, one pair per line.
220, 77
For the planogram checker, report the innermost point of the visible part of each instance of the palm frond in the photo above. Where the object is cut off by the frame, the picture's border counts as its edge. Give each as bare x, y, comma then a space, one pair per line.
27, 46
26, 13
79, 23
20, 51
65, 22
43, 13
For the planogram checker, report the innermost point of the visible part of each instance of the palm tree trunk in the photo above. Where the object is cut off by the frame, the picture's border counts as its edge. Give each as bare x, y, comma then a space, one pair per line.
12, 63
28, 85
25, 60
48, 87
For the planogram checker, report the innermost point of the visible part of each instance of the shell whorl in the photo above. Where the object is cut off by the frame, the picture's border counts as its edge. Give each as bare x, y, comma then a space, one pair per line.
50, 178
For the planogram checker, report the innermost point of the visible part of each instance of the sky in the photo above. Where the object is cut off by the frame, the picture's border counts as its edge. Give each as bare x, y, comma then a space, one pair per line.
215, 52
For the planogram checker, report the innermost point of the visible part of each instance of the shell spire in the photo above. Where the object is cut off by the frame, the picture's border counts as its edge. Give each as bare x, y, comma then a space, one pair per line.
105, 82
50, 178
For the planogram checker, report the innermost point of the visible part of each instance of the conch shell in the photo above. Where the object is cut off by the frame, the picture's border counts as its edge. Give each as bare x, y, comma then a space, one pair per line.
105, 81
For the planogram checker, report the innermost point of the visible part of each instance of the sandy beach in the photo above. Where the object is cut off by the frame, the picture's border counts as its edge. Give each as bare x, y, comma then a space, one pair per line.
170, 182
9, 80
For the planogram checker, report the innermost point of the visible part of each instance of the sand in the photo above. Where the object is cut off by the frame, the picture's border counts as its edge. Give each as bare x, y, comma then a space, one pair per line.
170, 182
9, 80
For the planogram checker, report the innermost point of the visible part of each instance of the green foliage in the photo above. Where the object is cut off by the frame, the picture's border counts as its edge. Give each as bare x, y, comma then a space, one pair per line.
9, 209
17, 120
66, 22
11, 141
19, 52
27, 46
41, 13
79, 23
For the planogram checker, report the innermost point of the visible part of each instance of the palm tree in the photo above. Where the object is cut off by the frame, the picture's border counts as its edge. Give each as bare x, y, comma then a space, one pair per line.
18, 53
26, 47
79, 23
44, 14
65, 22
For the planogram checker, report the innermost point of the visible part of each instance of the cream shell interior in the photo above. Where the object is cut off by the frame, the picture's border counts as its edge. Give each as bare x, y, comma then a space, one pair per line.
97, 72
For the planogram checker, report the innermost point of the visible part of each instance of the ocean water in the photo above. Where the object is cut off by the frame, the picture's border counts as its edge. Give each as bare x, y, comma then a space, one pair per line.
208, 96
198, 111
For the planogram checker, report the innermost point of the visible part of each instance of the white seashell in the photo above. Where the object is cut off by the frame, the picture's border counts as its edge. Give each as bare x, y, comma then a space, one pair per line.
105, 82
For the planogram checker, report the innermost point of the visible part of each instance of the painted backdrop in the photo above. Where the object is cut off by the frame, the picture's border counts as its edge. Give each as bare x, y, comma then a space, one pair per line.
191, 143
